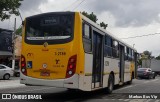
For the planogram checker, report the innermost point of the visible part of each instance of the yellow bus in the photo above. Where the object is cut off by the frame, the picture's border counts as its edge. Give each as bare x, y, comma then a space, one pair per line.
66, 49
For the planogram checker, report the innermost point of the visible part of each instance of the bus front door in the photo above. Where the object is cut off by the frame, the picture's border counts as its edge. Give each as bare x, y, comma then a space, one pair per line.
97, 60
122, 63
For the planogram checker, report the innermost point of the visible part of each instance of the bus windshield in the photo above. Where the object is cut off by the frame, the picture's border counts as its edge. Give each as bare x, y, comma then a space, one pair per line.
49, 27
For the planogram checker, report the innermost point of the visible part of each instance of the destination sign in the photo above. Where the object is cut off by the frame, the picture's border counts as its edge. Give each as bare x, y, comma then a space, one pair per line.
49, 21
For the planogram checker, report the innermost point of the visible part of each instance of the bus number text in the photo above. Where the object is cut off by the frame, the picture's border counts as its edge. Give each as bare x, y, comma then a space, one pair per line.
60, 53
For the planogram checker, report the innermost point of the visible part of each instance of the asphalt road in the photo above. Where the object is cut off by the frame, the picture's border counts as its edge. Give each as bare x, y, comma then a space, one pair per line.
121, 93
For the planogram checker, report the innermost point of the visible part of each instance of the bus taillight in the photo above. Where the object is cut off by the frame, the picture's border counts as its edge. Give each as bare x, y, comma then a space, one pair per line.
23, 65
71, 68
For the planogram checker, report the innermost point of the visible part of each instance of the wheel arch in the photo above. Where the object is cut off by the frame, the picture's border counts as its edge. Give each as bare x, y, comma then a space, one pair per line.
133, 75
112, 73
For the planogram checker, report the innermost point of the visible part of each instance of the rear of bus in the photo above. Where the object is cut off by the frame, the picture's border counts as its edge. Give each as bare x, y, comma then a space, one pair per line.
52, 50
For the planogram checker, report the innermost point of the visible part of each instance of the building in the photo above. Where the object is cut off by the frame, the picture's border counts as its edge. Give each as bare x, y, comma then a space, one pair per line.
5, 46
18, 45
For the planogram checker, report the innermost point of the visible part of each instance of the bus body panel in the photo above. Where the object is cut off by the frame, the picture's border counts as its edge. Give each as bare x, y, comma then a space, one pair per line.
56, 59
127, 73
132, 70
111, 65
87, 78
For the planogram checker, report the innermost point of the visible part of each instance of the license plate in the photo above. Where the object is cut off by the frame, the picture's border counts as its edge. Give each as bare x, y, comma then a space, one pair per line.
45, 74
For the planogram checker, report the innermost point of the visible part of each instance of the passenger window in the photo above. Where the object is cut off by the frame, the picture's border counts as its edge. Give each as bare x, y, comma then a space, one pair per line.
108, 46
115, 49
108, 41
87, 31
130, 54
87, 42
133, 55
115, 44
126, 54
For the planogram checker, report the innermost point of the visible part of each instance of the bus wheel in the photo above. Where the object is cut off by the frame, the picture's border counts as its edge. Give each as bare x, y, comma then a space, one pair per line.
154, 76
130, 82
110, 84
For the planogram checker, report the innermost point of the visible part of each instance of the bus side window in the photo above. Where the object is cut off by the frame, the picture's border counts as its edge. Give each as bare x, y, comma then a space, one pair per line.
86, 31
126, 55
115, 49
133, 55
108, 46
130, 54
87, 42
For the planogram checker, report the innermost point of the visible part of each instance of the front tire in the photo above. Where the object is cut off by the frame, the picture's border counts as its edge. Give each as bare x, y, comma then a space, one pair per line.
6, 76
130, 82
110, 84
154, 77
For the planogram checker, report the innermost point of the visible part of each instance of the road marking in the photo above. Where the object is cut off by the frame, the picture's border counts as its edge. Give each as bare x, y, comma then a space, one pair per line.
147, 81
137, 84
157, 82
148, 100
128, 86
10, 84
126, 99
34, 90
124, 87
8, 80
155, 79
138, 100
157, 100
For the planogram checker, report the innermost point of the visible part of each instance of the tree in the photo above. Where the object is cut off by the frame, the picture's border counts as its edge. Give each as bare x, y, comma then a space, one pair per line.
158, 57
19, 31
102, 24
139, 61
9, 7
147, 55
93, 17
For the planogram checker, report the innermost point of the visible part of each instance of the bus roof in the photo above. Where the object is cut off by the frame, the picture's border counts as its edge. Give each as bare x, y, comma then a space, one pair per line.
105, 31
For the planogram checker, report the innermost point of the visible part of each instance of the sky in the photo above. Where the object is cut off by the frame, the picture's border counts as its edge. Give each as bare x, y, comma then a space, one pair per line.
125, 18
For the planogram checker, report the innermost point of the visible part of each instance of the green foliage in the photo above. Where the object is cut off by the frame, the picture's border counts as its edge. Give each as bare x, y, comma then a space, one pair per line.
147, 55
93, 17
147, 52
19, 31
9, 7
102, 24
158, 57
139, 61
